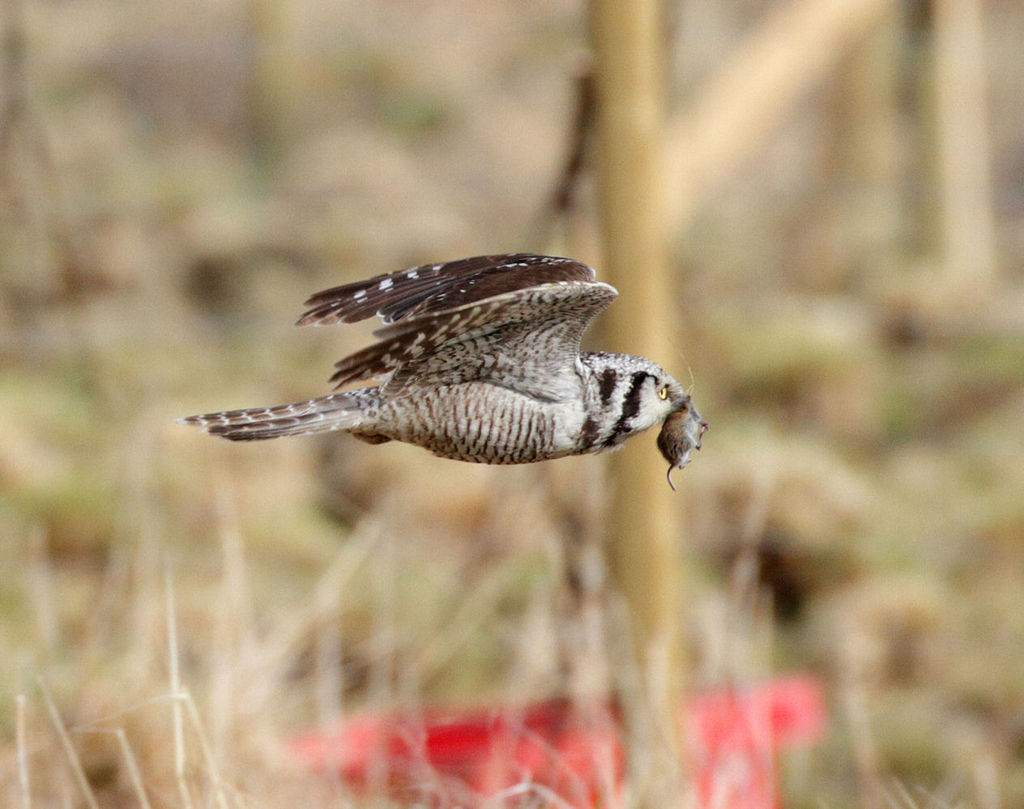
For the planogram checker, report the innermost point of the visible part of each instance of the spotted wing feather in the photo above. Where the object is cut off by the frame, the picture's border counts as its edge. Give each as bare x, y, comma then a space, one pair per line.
433, 288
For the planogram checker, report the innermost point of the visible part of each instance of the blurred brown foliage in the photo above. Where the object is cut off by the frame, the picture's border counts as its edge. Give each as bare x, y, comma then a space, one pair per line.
175, 179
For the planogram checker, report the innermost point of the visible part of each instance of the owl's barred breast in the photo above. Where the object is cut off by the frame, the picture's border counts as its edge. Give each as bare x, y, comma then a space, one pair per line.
483, 423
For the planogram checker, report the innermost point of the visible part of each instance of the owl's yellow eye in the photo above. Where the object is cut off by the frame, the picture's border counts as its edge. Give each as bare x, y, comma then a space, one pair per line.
663, 392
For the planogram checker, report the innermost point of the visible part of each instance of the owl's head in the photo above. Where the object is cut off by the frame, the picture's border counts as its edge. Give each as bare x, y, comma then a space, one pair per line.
658, 398
632, 395
646, 394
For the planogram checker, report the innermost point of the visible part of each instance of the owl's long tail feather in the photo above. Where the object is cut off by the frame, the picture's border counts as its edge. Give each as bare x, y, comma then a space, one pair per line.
339, 411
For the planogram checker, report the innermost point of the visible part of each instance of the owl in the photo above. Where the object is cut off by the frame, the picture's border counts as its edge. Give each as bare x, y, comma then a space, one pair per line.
479, 360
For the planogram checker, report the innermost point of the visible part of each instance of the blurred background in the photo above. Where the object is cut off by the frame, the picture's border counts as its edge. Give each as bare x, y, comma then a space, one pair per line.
847, 257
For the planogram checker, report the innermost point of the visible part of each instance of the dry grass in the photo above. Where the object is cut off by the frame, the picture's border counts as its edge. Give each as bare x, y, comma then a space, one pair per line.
173, 608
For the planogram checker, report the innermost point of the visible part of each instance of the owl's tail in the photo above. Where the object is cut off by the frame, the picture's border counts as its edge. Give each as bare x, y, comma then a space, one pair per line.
339, 411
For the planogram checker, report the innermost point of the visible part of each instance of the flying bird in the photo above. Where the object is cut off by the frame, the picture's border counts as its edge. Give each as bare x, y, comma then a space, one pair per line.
479, 360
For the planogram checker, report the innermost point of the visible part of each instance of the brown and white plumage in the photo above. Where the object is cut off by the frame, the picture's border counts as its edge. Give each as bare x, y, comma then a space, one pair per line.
478, 360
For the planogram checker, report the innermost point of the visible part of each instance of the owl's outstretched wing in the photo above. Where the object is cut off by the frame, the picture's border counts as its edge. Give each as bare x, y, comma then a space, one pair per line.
514, 321
527, 340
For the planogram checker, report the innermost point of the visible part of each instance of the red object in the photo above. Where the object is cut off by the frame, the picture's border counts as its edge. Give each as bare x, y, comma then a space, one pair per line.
462, 758
737, 735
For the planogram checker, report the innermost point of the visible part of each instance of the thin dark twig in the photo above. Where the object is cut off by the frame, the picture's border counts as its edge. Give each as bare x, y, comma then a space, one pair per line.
561, 202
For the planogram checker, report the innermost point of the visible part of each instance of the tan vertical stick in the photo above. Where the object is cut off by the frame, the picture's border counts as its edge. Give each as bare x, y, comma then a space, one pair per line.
963, 150
642, 549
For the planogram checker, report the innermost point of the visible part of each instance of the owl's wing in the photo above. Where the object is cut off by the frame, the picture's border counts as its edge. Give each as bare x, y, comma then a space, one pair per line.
527, 340
438, 287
